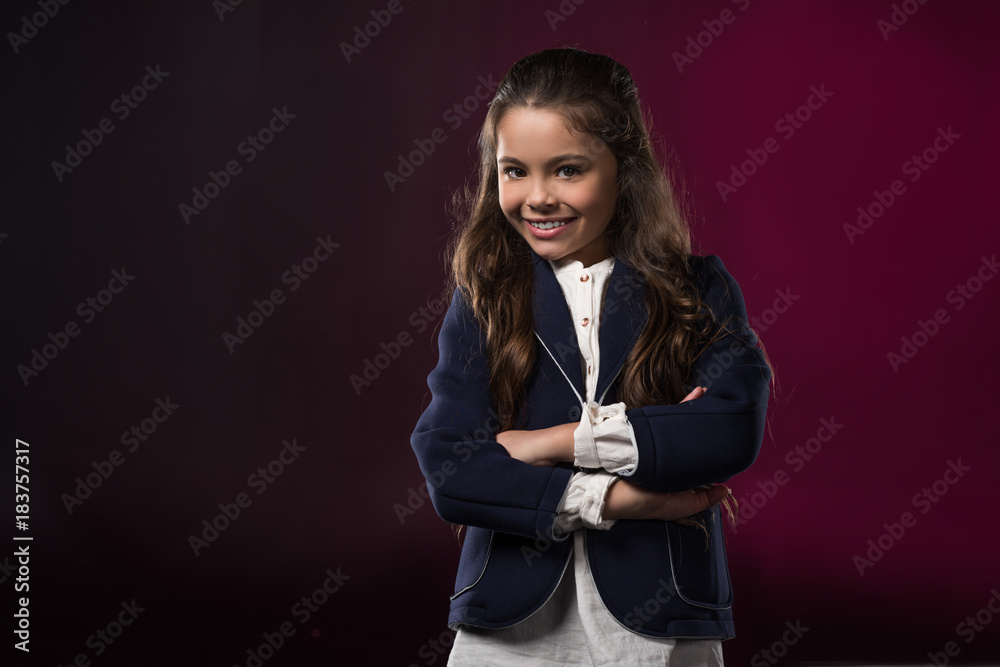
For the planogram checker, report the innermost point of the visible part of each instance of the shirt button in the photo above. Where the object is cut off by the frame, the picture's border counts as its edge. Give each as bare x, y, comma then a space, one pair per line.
584, 278
585, 321
574, 413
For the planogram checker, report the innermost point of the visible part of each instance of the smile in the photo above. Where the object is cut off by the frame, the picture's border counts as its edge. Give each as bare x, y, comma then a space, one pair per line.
548, 224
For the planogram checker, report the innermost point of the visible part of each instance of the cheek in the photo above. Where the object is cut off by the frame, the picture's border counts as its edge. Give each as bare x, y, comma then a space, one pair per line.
510, 201
594, 201
607, 197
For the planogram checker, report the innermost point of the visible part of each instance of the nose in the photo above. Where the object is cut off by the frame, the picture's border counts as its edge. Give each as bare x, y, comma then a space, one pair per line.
540, 196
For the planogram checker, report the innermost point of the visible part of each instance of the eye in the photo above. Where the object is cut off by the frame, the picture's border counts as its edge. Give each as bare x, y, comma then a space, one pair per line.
513, 172
569, 171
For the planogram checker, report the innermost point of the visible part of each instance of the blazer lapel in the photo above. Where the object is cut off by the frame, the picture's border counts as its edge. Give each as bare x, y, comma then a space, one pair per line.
553, 323
623, 316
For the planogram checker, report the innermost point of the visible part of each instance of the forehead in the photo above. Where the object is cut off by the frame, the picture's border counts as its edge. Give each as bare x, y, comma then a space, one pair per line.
537, 130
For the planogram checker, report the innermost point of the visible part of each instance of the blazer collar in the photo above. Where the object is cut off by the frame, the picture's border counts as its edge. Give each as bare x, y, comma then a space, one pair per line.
622, 317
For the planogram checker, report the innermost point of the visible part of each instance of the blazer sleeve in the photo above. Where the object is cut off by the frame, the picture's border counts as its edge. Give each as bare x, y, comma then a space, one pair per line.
471, 479
711, 438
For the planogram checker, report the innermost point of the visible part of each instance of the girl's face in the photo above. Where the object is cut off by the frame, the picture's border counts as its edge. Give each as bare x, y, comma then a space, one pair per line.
557, 186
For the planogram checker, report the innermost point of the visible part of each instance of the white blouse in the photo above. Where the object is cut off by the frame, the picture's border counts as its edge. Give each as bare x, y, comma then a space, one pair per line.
574, 627
604, 438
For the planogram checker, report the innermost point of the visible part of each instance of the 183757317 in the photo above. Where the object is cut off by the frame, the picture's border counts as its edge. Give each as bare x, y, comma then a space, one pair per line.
22, 507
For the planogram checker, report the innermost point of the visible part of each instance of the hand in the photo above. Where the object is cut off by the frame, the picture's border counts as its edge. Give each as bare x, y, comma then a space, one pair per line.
628, 501
697, 392
541, 447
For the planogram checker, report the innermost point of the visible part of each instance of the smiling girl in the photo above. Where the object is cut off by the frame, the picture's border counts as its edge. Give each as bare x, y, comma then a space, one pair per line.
564, 429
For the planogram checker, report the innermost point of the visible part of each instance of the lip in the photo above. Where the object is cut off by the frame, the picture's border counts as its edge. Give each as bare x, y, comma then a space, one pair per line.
548, 233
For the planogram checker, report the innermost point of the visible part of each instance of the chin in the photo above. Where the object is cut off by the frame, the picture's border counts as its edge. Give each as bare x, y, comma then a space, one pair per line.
551, 254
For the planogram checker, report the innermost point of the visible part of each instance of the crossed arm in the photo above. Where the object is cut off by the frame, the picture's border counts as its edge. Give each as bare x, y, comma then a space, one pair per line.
553, 445
478, 477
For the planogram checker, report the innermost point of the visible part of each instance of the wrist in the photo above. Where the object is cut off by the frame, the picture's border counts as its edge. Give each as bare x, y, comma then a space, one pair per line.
619, 500
562, 443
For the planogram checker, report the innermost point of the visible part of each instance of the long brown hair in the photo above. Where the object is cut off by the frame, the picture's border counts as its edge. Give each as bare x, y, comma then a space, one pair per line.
491, 262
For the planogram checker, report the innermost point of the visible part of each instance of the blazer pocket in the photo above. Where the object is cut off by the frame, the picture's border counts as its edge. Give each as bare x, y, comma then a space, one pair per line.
475, 557
701, 574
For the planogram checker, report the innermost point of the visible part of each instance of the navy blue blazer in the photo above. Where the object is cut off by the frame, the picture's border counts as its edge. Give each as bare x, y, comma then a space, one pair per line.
657, 578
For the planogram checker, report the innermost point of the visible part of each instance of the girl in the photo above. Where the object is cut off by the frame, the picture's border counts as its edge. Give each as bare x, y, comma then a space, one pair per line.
596, 381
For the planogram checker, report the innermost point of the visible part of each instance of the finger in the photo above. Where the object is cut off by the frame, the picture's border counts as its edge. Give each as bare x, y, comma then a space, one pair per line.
718, 492
709, 497
697, 392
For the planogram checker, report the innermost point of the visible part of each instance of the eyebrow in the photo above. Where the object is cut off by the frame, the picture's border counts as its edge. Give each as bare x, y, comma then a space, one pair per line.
568, 157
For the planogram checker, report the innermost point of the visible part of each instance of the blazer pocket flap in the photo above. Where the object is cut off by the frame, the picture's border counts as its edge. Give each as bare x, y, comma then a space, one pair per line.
475, 557
700, 569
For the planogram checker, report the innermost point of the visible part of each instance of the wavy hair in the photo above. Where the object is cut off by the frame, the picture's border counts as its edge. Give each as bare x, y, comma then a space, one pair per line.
491, 262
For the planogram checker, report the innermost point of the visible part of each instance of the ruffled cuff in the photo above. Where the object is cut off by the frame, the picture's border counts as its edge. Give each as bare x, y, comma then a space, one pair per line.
582, 505
604, 439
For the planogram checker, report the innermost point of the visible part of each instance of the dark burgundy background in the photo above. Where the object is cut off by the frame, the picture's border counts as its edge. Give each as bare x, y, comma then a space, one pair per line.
324, 176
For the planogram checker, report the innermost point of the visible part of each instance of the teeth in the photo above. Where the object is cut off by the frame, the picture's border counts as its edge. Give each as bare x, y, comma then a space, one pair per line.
546, 225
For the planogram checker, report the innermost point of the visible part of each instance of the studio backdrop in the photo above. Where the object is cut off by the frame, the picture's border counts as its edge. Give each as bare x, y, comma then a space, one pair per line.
222, 255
